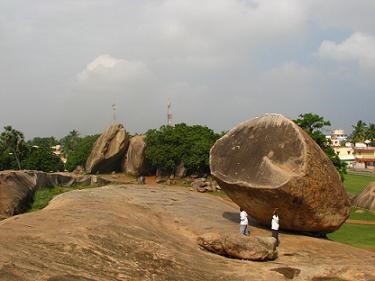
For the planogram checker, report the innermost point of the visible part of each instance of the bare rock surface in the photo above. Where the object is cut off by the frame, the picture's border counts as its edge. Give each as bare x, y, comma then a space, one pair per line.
270, 162
143, 232
134, 162
366, 199
108, 150
255, 248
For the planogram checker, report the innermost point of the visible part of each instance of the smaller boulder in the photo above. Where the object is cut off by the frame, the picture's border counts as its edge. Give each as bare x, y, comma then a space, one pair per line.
366, 199
238, 246
134, 162
108, 150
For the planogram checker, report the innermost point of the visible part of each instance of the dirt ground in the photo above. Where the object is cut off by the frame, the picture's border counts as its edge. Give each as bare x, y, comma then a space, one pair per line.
149, 232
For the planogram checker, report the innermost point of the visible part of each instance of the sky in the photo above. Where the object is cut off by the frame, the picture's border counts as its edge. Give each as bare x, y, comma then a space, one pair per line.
64, 63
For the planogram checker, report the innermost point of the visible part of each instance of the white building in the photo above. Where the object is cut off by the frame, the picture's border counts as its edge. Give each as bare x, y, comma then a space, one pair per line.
338, 137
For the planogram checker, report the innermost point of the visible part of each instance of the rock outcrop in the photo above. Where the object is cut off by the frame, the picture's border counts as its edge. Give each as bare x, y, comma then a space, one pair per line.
366, 199
134, 162
255, 248
203, 185
17, 188
149, 232
108, 150
270, 162
16, 193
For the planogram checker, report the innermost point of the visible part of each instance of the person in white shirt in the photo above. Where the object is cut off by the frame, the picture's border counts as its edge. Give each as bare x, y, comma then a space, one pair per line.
244, 229
275, 226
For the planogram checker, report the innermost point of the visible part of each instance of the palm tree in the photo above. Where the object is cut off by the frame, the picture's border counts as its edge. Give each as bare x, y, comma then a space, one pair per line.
69, 141
359, 132
370, 134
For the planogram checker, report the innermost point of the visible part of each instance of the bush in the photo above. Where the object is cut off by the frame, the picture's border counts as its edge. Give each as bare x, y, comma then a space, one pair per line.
81, 151
42, 159
169, 146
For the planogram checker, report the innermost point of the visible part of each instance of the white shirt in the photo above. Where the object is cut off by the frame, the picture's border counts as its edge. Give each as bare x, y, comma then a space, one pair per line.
243, 218
275, 222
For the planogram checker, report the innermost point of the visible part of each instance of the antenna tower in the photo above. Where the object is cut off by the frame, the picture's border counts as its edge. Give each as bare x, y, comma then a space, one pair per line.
114, 112
169, 114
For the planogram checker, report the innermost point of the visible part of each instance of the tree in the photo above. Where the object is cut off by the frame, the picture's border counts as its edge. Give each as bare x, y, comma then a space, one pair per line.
46, 142
370, 133
169, 146
69, 142
312, 124
359, 132
13, 143
42, 158
80, 152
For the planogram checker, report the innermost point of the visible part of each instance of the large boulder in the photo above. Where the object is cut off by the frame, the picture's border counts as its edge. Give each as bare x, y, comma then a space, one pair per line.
134, 162
270, 162
16, 192
238, 246
108, 151
366, 199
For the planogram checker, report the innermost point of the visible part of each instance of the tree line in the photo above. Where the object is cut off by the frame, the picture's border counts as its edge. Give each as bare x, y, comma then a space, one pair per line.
166, 147
363, 132
39, 153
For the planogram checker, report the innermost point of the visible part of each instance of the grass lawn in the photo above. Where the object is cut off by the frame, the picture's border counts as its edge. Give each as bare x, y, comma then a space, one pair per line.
359, 214
358, 235
355, 183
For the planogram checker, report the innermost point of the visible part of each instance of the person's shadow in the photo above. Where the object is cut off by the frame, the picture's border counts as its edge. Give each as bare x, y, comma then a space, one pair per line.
232, 216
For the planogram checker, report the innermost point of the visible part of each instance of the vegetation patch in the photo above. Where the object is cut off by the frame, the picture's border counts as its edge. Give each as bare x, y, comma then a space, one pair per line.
169, 146
45, 194
358, 235
361, 214
355, 183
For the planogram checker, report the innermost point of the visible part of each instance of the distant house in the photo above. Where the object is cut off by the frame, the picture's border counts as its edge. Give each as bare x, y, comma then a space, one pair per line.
338, 137
359, 156
56, 149
346, 154
364, 156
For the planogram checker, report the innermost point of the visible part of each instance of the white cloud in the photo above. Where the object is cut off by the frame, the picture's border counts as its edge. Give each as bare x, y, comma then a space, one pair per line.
359, 48
106, 68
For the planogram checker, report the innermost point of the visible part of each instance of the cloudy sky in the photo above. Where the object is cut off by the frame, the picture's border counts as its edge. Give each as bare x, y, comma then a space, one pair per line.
63, 63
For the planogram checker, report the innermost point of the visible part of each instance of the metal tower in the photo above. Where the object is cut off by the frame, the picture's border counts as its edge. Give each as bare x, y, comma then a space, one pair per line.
114, 112
169, 114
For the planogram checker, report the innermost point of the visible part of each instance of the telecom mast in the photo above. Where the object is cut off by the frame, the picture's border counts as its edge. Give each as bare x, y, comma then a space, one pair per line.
114, 112
169, 114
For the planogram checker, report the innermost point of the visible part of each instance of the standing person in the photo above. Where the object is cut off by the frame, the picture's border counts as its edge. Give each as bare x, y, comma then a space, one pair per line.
243, 222
275, 226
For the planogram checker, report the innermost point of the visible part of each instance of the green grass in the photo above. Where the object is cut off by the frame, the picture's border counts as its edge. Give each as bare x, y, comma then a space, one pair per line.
355, 183
359, 214
45, 194
357, 235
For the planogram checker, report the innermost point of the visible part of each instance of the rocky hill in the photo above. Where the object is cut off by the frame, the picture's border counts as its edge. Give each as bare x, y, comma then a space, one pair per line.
143, 232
